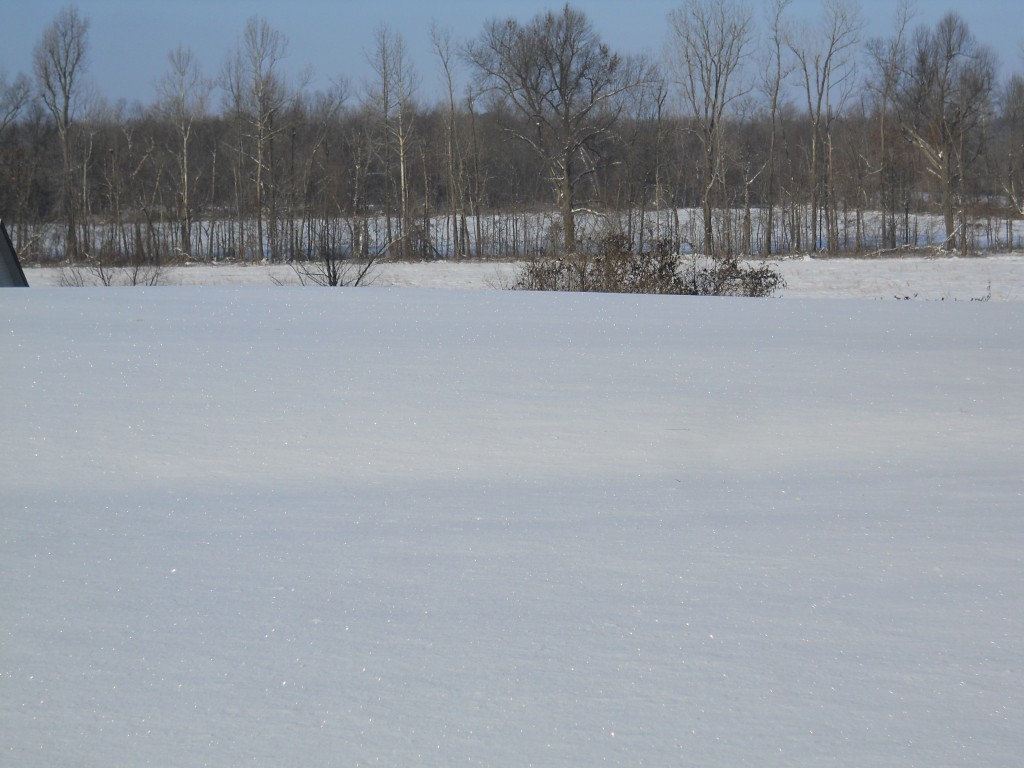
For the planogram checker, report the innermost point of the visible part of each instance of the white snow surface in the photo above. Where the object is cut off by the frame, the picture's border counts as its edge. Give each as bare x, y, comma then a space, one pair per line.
998, 277
409, 526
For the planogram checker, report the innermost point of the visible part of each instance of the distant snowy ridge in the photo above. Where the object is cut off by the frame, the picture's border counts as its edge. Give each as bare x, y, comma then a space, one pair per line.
995, 278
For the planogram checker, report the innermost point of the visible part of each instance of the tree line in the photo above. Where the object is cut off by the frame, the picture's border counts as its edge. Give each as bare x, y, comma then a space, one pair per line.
752, 134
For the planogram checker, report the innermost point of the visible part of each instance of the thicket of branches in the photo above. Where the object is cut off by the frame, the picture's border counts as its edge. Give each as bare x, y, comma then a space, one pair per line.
752, 135
615, 266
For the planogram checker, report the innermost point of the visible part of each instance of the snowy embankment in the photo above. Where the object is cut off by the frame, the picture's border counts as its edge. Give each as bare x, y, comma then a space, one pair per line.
999, 278
287, 526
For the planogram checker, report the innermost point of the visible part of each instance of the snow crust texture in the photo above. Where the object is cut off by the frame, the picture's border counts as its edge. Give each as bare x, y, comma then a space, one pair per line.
284, 526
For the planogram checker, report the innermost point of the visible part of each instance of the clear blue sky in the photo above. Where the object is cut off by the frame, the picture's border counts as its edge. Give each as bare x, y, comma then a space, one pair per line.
129, 39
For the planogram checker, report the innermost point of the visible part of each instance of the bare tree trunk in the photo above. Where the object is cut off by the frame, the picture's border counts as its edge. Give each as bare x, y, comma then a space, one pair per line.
258, 96
566, 197
827, 80
773, 86
710, 39
453, 152
391, 98
183, 93
59, 59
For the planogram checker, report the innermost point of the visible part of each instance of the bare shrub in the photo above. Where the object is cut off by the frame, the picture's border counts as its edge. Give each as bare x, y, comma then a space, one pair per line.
98, 272
705, 276
334, 268
615, 267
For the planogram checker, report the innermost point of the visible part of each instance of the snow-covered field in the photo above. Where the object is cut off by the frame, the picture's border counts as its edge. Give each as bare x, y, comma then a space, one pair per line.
996, 278
310, 527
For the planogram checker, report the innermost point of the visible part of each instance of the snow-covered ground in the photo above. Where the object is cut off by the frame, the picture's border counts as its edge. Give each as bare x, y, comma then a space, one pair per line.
289, 526
996, 278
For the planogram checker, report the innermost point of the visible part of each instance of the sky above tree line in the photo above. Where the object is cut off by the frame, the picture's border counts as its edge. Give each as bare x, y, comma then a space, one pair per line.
129, 39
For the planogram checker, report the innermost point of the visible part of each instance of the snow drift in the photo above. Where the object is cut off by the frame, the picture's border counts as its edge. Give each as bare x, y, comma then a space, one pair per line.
420, 527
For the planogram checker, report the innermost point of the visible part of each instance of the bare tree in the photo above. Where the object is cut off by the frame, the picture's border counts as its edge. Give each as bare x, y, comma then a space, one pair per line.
183, 95
825, 62
14, 96
944, 108
1012, 103
564, 86
16, 103
312, 187
59, 59
775, 72
889, 56
710, 39
454, 159
391, 97
477, 178
258, 95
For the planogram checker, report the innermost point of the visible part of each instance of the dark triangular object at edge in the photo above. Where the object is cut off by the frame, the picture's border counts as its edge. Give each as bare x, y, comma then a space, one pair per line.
11, 273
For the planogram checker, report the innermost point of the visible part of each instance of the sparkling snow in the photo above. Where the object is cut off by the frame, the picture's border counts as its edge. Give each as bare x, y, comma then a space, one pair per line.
408, 526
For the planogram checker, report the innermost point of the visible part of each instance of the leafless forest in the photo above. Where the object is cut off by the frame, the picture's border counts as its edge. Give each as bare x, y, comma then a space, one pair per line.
753, 133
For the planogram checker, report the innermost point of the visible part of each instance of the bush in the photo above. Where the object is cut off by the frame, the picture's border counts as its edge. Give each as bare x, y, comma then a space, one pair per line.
615, 267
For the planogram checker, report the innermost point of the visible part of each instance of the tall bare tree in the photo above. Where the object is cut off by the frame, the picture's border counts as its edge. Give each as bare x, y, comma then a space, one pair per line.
945, 107
825, 61
889, 57
564, 87
391, 96
258, 94
15, 99
59, 59
183, 94
775, 72
710, 39
454, 158
1012, 103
